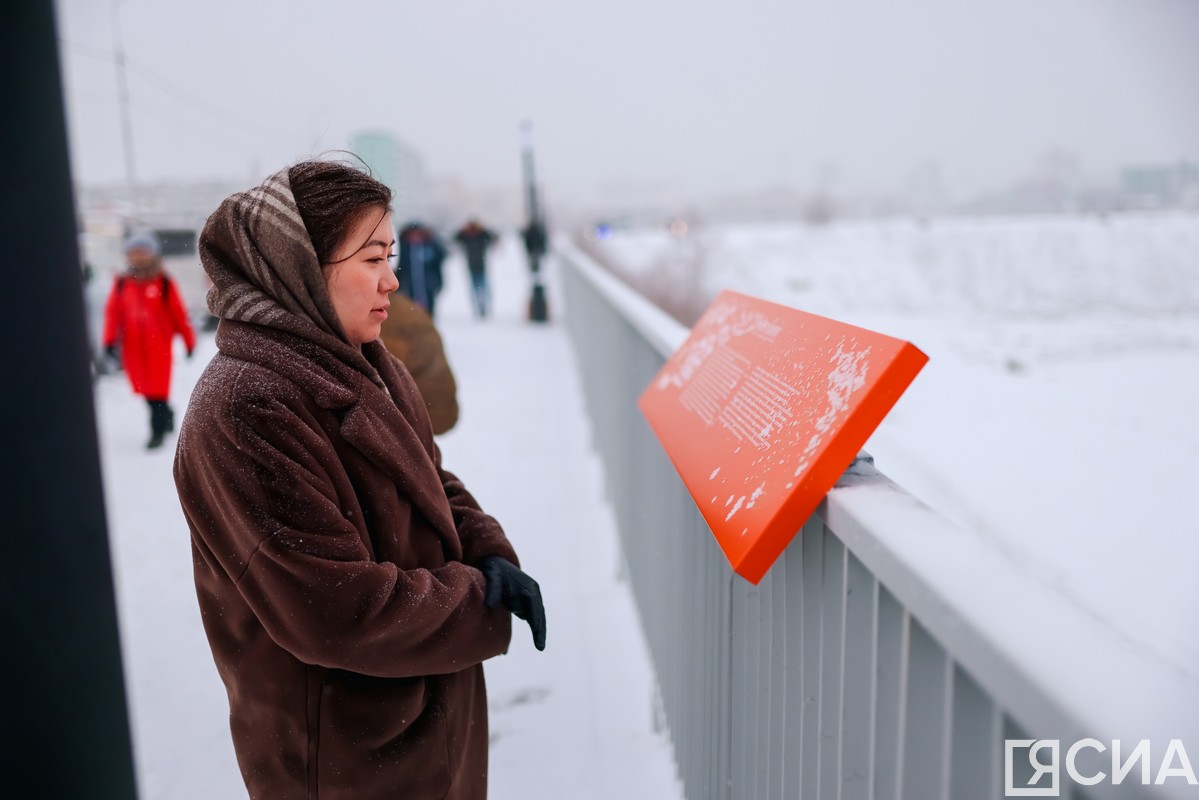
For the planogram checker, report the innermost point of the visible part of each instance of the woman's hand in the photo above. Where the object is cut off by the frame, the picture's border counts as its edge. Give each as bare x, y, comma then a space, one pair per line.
520, 594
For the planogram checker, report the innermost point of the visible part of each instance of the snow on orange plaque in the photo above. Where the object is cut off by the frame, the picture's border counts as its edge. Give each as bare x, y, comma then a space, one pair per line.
761, 411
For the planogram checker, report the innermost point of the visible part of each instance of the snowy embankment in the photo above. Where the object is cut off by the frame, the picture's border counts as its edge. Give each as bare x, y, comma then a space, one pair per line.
1056, 416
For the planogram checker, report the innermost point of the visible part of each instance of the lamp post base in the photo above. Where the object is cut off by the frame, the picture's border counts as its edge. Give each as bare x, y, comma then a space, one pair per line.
538, 309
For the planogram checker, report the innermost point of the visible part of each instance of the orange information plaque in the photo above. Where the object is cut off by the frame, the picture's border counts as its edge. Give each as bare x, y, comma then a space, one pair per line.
761, 411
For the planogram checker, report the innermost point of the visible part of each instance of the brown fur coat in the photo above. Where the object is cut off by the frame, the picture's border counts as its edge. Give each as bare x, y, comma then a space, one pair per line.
411, 337
335, 558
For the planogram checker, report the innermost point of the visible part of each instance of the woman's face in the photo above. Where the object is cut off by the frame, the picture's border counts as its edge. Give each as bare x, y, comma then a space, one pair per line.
360, 277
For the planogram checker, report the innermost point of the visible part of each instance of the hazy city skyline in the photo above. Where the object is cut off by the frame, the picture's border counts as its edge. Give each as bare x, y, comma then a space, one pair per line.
708, 97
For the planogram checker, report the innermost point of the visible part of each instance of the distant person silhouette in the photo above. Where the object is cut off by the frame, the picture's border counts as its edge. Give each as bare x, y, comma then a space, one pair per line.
536, 243
476, 241
419, 268
143, 313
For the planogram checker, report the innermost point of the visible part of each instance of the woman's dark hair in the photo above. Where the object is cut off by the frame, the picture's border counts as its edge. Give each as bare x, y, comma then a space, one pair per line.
331, 196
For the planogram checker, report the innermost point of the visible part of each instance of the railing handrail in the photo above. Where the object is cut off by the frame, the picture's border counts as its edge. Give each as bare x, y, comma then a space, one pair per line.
657, 327
1061, 670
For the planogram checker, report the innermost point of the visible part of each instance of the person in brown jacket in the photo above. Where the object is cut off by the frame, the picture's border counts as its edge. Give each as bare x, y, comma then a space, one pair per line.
349, 585
409, 334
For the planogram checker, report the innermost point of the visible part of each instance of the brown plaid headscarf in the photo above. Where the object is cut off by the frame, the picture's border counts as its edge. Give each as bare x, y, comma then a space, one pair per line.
265, 270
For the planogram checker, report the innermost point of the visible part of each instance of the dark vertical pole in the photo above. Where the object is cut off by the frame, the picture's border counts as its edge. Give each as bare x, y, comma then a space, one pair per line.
535, 233
64, 729
532, 207
123, 98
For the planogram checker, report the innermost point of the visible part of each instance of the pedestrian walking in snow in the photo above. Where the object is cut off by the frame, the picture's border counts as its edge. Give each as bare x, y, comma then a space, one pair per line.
143, 314
350, 586
419, 266
476, 241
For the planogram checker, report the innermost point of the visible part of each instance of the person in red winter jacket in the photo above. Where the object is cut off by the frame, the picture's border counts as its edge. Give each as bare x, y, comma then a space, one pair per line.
143, 313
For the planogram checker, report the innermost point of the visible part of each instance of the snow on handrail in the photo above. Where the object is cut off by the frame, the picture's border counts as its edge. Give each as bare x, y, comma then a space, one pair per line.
1048, 665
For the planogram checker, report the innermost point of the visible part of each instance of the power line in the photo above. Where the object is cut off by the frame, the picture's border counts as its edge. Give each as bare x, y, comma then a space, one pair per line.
87, 50
198, 103
177, 92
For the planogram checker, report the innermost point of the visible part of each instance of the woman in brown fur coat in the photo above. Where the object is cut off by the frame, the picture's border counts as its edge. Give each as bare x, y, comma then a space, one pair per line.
349, 585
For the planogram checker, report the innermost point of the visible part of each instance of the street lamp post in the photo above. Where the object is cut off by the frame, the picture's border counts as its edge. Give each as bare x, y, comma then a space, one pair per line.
534, 233
123, 98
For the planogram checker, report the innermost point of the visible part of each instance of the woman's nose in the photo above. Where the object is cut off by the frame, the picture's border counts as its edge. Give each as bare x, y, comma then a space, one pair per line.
391, 282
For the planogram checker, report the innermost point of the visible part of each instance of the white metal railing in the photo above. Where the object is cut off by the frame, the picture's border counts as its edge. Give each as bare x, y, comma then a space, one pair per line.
887, 654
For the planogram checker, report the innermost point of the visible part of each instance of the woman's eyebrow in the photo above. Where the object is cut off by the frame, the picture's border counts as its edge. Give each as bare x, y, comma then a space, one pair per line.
378, 243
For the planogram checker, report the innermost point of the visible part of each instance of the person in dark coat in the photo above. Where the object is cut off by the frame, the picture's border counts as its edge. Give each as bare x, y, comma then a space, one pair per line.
350, 586
142, 316
475, 241
536, 243
419, 267
409, 334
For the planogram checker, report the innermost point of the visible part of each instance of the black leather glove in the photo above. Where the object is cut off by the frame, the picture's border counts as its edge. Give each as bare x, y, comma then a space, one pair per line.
520, 594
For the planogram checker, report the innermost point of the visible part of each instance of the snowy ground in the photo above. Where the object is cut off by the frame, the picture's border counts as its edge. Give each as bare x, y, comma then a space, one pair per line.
572, 722
1056, 416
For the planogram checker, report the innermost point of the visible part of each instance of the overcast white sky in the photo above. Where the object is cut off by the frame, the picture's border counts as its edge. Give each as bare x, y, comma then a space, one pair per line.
697, 94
